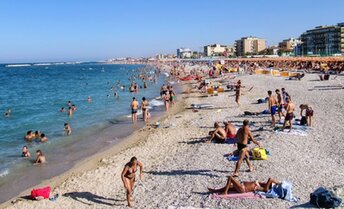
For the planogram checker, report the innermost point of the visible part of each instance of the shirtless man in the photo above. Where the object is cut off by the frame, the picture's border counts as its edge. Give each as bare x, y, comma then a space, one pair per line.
272, 107
219, 135
70, 112
243, 135
279, 103
289, 115
134, 107
230, 130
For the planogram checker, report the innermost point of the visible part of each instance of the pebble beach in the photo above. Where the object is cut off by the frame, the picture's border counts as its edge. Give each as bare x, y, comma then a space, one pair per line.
179, 166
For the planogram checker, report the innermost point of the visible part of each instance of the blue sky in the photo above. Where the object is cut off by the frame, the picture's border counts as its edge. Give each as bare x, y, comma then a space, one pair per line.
73, 30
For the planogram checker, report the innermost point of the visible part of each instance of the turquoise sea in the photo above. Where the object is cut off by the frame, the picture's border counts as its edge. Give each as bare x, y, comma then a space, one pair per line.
36, 93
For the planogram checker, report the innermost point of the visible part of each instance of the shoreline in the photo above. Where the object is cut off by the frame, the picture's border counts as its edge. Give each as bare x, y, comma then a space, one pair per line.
95, 160
179, 167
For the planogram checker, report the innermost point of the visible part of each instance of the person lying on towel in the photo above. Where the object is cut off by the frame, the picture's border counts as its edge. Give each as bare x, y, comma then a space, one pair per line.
235, 186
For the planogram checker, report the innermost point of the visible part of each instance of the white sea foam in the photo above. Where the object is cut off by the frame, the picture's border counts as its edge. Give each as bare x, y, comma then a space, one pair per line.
4, 172
166, 74
156, 103
18, 65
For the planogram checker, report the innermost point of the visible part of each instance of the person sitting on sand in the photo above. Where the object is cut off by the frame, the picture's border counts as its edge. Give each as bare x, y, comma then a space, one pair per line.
67, 129
308, 114
243, 135
29, 136
219, 135
272, 107
235, 186
289, 115
43, 138
40, 159
230, 131
128, 177
25, 152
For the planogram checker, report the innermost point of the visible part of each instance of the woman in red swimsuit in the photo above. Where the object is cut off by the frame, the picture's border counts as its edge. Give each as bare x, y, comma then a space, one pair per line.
128, 176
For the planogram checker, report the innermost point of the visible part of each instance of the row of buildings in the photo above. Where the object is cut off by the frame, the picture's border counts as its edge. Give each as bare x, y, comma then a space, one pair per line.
320, 41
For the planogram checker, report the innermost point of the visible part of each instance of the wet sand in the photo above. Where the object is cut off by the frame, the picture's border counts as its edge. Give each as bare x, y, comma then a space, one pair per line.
179, 167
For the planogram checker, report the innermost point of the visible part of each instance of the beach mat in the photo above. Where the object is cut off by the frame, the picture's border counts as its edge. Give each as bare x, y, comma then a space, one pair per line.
247, 195
236, 158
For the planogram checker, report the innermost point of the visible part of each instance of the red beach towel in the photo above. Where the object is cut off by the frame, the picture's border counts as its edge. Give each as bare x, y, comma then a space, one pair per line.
43, 192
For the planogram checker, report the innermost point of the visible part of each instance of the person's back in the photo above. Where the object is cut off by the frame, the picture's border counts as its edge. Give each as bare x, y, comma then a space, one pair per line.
134, 104
230, 130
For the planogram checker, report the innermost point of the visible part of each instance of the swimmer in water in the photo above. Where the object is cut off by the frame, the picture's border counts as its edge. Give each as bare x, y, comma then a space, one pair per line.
69, 103
70, 112
43, 138
37, 134
8, 112
29, 136
89, 99
67, 129
40, 159
73, 107
25, 152
62, 109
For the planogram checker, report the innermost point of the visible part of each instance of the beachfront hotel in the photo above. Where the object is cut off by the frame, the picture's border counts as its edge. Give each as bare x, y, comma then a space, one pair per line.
250, 45
219, 50
323, 40
184, 53
288, 45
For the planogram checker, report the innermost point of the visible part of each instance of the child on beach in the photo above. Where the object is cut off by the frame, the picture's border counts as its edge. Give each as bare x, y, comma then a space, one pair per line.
40, 159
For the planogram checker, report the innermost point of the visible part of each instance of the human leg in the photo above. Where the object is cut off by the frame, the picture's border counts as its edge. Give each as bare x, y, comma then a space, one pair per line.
242, 155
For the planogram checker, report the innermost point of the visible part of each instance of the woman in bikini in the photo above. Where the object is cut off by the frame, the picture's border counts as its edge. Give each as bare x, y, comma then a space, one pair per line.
235, 186
128, 176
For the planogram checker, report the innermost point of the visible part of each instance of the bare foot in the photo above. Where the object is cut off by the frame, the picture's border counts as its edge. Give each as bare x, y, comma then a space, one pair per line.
236, 175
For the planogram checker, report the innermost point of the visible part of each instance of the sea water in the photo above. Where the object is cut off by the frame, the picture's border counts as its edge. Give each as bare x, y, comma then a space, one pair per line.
36, 93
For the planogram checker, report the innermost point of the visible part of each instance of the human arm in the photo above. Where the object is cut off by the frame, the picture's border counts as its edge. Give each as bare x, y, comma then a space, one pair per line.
250, 135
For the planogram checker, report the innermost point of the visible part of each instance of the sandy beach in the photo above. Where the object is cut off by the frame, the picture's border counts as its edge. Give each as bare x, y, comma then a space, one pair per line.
178, 166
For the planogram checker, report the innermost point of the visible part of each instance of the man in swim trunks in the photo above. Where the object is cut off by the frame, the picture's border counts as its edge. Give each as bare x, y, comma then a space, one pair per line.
272, 107
134, 107
243, 135
219, 135
279, 103
67, 129
289, 115
230, 131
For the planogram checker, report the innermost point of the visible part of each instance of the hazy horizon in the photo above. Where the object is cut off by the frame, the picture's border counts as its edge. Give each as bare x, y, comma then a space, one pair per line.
56, 31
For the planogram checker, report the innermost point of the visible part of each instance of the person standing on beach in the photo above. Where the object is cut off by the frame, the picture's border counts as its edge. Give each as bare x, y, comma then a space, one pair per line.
243, 135
279, 103
134, 107
144, 107
172, 95
238, 92
285, 96
166, 98
272, 107
128, 177
289, 115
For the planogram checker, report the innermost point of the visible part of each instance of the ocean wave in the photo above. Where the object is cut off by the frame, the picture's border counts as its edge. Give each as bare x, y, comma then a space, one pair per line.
18, 65
4, 173
139, 112
156, 103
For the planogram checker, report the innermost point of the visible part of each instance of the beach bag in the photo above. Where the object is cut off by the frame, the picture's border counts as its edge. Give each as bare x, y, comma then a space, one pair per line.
324, 198
43, 192
259, 154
